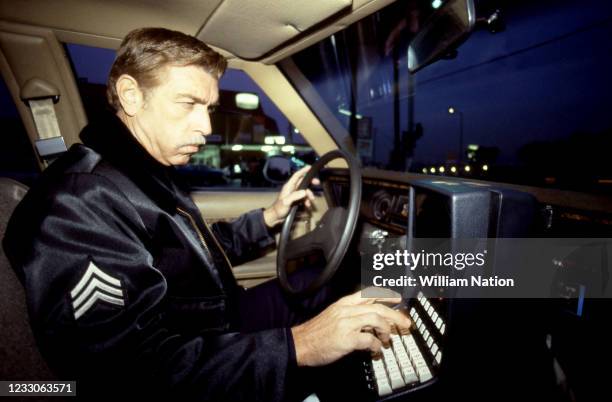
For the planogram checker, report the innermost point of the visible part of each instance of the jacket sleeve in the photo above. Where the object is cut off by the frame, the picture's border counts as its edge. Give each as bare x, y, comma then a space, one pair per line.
98, 306
244, 238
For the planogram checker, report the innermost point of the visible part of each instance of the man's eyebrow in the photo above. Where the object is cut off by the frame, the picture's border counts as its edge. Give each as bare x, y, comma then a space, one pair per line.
197, 99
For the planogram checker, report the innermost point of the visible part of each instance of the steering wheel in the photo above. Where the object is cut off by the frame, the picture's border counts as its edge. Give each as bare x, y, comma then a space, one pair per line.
331, 236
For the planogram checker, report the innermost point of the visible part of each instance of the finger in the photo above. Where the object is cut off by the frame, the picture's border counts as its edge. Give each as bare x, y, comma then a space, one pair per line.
376, 324
393, 316
316, 181
294, 196
297, 177
310, 194
367, 341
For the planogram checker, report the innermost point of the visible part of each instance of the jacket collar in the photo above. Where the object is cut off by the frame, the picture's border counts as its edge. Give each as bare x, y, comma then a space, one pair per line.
110, 137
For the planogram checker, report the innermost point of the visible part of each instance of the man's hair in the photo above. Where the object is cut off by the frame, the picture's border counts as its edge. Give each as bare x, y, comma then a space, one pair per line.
145, 52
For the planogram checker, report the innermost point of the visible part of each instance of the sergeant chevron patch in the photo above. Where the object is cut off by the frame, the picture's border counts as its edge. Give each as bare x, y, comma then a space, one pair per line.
95, 285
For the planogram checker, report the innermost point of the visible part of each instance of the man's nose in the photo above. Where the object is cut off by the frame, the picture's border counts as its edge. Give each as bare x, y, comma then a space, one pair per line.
203, 122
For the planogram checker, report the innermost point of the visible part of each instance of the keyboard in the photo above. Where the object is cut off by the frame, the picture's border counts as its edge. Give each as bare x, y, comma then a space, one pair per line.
411, 359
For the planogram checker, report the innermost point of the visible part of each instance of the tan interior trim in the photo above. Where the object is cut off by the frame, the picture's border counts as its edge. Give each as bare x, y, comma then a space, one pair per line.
106, 42
33, 52
361, 9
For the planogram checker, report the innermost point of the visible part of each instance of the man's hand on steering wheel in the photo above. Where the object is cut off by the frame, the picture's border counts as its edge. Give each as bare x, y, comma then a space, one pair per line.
288, 195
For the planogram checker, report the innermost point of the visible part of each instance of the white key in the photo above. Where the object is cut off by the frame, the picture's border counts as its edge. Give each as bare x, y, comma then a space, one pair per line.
439, 322
409, 373
429, 342
439, 356
424, 374
396, 380
434, 316
426, 334
434, 348
383, 387
430, 309
443, 328
412, 312
426, 304
418, 321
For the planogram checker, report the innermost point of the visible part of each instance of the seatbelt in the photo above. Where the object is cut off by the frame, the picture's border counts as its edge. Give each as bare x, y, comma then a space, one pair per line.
40, 96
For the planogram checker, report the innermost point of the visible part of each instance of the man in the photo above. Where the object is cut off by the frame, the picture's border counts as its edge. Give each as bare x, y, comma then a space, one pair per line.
128, 289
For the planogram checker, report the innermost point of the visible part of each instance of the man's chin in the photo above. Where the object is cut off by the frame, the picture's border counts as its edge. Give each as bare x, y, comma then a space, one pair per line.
181, 160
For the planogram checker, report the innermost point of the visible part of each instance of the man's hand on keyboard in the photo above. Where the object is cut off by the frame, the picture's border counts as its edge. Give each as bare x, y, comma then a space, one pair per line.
351, 323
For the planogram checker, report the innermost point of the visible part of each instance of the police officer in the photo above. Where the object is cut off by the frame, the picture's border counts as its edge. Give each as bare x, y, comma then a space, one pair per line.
128, 289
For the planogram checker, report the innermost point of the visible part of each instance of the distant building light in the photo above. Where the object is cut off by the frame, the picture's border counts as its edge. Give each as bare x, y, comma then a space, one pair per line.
344, 112
467, 168
274, 139
425, 170
485, 167
288, 148
473, 147
237, 169
237, 147
432, 170
348, 113
247, 101
451, 110
295, 130
453, 169
436, 3
441, 169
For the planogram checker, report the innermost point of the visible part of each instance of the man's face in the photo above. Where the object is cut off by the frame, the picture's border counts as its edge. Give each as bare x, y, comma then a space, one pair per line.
175, 117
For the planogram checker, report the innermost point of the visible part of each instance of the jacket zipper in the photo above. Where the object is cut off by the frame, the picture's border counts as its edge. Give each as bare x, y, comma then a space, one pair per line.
201, 236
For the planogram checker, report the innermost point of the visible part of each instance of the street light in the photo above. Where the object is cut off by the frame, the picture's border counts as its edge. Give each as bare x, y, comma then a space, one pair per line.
452, 110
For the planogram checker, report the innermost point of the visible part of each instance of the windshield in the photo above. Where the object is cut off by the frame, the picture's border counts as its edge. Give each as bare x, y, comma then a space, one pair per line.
527, 104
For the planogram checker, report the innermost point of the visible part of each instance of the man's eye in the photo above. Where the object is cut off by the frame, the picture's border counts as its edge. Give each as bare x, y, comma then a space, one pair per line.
187, 105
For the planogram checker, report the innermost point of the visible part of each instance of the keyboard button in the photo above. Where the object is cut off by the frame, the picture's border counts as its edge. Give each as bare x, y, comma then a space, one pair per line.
429, 342
383, 387
439, 356
434, 316
396, 380
409, 373
443, 328
434, 348
439, 322
424, 374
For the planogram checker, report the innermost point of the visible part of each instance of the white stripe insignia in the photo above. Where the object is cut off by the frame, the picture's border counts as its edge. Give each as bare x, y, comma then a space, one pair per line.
95, 285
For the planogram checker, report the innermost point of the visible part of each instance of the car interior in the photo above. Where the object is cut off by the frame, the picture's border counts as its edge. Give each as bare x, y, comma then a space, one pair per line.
295, 54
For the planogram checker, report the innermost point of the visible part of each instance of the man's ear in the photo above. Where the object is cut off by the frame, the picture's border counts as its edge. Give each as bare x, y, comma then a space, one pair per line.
130, 94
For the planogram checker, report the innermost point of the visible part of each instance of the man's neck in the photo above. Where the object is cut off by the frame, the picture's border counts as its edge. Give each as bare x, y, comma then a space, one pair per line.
142, 139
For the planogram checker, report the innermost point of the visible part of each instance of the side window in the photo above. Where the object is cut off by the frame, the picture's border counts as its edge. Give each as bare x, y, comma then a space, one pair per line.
17, 158
247, 127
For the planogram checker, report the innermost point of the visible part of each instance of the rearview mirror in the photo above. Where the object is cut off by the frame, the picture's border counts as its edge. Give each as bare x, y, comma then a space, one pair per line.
441, 33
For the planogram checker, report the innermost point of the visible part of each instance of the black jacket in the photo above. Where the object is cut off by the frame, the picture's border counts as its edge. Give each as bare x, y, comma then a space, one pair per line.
129, 290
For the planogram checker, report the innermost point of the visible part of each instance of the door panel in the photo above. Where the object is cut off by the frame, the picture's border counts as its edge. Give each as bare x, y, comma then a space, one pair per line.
227, 205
